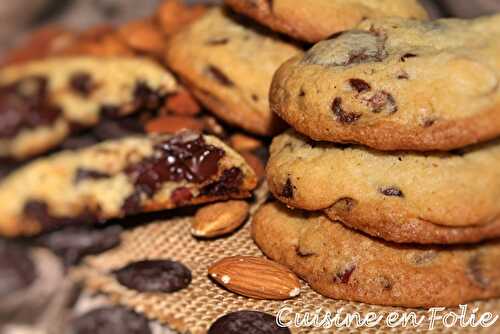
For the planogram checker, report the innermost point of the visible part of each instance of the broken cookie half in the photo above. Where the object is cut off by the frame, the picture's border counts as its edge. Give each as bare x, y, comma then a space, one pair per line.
42, 102
121, 177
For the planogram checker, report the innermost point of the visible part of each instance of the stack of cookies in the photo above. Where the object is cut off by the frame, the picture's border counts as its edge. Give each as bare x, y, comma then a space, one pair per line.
389, 182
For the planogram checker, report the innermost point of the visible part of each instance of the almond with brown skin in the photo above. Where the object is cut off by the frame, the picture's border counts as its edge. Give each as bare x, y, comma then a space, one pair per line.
173, 124
182, 103
255, 277
255, 163
241, 142
143, 36
217, 219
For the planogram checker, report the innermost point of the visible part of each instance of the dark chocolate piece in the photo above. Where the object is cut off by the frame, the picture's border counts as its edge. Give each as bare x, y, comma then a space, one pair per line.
73, 243
110, 320
248, 322
154, 276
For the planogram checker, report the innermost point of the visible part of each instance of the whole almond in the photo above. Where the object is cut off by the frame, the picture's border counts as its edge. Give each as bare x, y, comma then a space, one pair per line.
255, 163
173, 124
242, 142
217, 219
144, 36
255, 277
182, 103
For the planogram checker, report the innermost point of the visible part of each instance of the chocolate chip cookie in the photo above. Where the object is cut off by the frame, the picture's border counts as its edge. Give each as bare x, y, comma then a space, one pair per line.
42, 102
118, 178
228, 64
315, 20
397, 84
400, 196
343, 264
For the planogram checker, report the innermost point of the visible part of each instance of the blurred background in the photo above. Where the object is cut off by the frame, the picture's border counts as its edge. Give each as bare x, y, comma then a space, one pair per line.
20, 16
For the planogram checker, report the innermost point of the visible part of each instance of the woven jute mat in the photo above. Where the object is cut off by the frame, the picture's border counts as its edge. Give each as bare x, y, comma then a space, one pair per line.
195, 308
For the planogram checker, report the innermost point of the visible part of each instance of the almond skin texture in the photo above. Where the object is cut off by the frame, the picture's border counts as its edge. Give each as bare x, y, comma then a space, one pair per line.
173, 124
219, 218
241, 142
255, 277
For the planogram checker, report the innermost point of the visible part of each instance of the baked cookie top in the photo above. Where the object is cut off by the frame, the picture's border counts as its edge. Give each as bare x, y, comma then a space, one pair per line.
121, 177
229, 63
397, 84
315, 20
42, 101
450, 189
343, 264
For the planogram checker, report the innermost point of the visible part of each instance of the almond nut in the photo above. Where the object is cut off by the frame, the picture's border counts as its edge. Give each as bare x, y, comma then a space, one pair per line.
173, 15
173, 124
255, 277
217, 219
144, 36
241, 142
255, 163
182, 103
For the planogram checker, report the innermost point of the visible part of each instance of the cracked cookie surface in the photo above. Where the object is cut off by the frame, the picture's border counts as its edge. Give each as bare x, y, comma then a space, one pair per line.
229, 64
343, 264
400, 196
397, 84
118, 178
315, 20
42, 102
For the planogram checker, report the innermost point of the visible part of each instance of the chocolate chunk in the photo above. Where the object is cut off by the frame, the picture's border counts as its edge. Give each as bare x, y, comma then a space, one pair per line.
218, 41
287, 191
73, 243
185, 157
39, 211
109, 320
154, 276
17, 270
248, 322
341, 115
132, 203
181, 195
218, 75
345, 275
407, 55
88, 174
475, 271
391, 191
228, 183
302, 93
359, 85
147, 98
382, 100
25, 104
345, 204
81, 83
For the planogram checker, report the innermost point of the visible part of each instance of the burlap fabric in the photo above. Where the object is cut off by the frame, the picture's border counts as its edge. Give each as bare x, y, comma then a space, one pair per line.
194, 309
